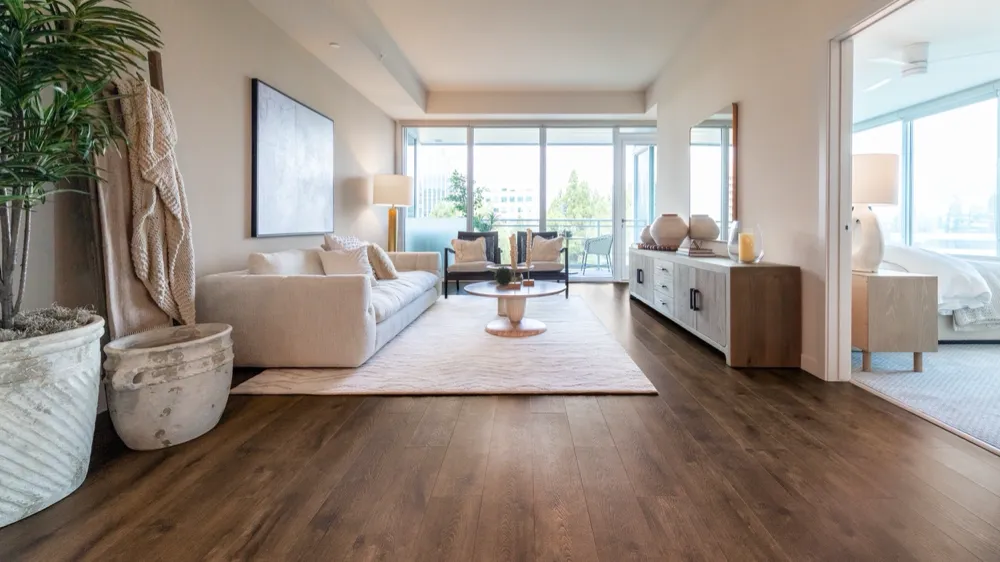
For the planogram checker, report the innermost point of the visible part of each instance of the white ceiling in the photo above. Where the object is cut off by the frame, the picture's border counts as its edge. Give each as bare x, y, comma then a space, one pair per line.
522, 56
952, 27
538, 44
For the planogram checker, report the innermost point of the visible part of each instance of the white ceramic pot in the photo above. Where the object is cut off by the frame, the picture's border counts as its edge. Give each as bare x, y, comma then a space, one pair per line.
48, 406
669, 230
645, 237
170, 385
703, 227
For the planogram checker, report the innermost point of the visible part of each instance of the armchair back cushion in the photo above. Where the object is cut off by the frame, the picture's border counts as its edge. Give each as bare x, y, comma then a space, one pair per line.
492, 243
288, 262
522, 242
546, 250
467, 251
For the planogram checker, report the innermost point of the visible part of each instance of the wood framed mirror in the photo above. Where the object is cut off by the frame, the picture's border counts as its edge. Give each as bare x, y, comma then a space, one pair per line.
713, 175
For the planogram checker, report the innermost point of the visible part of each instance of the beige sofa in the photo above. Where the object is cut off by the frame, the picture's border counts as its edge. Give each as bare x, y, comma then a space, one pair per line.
318, 320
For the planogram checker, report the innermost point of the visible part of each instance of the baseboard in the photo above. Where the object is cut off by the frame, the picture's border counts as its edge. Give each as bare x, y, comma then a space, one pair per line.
812, 366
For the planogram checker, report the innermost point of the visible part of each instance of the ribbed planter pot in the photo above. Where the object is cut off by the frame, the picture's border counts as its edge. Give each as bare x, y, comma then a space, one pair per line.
170, 385
48, 406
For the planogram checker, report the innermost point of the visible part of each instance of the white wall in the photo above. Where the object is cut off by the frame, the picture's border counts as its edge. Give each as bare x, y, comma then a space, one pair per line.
212, 50
771, 56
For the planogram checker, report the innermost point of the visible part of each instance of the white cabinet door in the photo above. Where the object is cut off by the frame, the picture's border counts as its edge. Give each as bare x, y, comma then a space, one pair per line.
683, 295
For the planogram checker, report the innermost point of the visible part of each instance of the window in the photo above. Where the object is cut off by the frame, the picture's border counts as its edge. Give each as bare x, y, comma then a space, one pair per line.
507, 160
437, 159
955, 180
948, 191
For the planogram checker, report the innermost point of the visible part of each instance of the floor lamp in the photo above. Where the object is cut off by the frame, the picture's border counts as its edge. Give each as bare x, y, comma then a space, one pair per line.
875, 182
396, 191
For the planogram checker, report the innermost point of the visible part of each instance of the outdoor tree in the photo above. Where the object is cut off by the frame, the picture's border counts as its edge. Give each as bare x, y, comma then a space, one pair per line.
579, 201
453, 205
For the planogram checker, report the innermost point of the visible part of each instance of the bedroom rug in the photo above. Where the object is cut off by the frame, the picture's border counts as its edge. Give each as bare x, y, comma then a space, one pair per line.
958, 390
447, 351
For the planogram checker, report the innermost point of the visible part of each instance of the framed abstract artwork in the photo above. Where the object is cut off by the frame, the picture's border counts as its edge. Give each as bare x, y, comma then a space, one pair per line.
293, 166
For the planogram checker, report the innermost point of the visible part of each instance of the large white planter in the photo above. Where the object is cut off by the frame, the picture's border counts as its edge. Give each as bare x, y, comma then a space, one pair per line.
170, 385
48, 406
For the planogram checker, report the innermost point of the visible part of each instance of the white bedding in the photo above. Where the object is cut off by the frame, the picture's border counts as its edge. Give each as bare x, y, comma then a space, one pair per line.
961, 285
986, 317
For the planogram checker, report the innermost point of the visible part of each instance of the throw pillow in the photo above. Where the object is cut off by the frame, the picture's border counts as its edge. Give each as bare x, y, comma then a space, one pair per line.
469, 250
288, 262
381, 263
334, 242
546, 249
348, 262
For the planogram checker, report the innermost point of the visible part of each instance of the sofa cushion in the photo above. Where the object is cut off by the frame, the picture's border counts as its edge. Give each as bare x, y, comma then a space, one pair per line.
469, 267
392, 295
348, 262
547, 266
288, 262
335, 242
381, 263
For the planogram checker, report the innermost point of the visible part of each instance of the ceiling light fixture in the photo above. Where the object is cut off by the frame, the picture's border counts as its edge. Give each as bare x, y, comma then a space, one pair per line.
334, 45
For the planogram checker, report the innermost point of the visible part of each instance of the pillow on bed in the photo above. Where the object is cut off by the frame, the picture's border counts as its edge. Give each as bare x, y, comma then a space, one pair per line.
960, 285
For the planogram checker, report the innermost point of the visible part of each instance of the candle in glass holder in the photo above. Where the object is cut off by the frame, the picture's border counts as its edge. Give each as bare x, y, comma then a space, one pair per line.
746, 247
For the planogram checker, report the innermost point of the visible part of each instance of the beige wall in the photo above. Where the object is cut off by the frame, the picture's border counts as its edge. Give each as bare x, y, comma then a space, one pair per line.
771, 56
212, 50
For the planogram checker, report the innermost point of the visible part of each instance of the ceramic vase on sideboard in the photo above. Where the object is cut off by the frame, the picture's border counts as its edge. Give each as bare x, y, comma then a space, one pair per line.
669, 230
645, 237
703, 227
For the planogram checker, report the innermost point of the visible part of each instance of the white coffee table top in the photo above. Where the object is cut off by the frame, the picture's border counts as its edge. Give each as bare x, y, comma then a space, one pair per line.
490, 289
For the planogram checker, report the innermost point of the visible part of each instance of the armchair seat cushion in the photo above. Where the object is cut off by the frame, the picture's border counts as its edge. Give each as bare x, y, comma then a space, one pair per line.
469, 267
391, 295
547, 266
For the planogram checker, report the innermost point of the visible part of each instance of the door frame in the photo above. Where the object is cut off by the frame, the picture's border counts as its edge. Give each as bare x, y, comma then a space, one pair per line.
620, 245
838, 194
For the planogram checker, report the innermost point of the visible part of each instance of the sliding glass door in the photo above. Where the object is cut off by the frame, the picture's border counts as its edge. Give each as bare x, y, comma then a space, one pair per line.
592, 185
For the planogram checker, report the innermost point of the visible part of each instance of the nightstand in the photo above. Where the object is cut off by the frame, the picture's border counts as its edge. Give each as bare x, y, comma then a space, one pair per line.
893, 311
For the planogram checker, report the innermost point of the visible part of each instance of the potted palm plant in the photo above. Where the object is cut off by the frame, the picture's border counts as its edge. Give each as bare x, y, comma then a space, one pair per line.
57, 61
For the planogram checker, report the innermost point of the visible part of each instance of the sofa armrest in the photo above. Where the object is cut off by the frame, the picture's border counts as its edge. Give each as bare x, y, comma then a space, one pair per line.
293, 320
417, 261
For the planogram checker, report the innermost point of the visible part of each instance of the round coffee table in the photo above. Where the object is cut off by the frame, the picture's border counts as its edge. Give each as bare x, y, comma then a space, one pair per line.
510, 306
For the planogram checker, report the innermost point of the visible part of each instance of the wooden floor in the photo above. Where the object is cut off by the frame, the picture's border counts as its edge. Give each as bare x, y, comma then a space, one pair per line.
722, 465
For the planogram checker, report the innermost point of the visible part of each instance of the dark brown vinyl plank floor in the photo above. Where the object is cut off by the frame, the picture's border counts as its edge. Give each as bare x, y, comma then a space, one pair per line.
722, 465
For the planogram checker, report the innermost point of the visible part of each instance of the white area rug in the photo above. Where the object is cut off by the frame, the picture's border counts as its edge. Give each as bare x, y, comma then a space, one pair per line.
447, 351
959, 388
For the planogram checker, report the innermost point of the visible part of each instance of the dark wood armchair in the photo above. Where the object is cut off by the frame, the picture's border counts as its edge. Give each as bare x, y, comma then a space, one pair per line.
465, 272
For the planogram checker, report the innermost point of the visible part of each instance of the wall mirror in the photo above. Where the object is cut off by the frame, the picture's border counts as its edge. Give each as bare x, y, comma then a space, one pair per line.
713, 179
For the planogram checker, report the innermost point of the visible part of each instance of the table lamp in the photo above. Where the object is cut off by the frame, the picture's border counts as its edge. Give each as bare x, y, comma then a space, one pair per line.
396, 191
875, 182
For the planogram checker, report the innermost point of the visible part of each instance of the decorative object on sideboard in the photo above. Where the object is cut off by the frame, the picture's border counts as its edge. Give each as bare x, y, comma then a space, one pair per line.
669, 230
875, 182
169, 386
288, 198
645, 237
654, 247
746, 245
394, 190
702, 229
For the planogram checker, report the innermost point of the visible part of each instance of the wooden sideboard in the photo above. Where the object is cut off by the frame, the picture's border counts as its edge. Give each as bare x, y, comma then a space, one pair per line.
752, 313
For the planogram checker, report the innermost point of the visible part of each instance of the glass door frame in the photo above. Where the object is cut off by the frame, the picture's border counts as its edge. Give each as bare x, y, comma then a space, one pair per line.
622, 242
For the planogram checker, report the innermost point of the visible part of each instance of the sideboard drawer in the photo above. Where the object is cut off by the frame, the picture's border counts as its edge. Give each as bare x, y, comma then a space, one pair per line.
663, 303
663, 267
665, 286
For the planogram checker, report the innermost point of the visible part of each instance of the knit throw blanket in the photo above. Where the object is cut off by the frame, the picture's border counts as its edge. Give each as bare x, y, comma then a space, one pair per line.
162, 247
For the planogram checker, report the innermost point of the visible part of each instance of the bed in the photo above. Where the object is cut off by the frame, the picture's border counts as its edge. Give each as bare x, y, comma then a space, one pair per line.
968, 292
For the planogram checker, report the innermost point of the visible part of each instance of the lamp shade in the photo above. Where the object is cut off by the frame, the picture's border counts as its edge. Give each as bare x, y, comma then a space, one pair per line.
876, 179
393, 189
